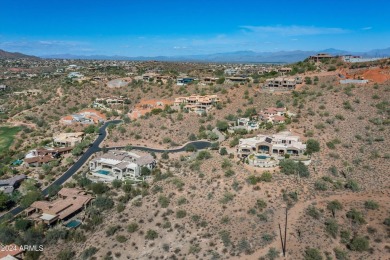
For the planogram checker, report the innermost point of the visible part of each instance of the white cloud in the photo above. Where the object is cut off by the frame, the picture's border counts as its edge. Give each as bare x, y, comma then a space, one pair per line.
293, 30
366, 28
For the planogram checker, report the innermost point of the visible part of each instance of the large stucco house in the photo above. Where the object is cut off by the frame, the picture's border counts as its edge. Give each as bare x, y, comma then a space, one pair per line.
277, 144
120, 165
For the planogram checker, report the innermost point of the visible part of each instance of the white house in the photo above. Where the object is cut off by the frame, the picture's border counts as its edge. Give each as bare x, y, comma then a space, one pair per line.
120, 165
273, 145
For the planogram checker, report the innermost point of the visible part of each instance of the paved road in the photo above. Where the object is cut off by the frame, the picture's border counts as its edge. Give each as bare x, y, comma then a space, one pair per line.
95, 148
199, 145
75, 167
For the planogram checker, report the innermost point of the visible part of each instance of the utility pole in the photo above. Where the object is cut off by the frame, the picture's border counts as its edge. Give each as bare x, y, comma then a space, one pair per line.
284, 241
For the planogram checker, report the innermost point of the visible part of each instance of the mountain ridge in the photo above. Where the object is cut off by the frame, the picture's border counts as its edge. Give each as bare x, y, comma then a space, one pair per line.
235, 56
15, 55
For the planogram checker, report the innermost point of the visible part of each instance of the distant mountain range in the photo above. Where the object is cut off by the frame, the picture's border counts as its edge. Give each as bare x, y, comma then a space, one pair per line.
15, 55
237, 57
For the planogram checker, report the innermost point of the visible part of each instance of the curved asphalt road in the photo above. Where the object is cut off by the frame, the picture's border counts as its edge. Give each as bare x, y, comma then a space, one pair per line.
74, 168
199, 145
95, 148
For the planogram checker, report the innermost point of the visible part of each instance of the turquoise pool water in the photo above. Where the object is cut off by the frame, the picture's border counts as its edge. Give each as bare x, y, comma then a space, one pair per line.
262, 157
73, 223
104, 172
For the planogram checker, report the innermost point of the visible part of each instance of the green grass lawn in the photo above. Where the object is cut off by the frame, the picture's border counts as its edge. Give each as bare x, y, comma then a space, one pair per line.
7, 135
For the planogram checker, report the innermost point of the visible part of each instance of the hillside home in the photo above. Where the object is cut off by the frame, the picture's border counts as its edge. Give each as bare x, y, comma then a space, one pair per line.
284, 70
120, 165
285, 83
272, 145
4, 87
234, 80
196, 103
354, 59
7, 186
184, 81
246, 123
87, 117
320, 57
117, 83
230, 72
353, 81
76, 75
68, 139
30, 92
274, 115
70, 201
38, 157
209, 80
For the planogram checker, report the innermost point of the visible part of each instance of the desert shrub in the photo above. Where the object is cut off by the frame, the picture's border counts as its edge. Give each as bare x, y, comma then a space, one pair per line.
88, 253
99, 188
266, 176
167, 224
312, 146
66, 254
352, 185
194, 249
340, 254
120, 207
182, 201
222, 125
289, 167
253, 179
227, 196
181, 213
261, 204
312, 254
112, 230
103, 203
356, 217
203, 155
178, 183
121, 239
359, 244
229, 173
225, 237
132, 227
55, 234
223, 151
313, 212
331, 227
23, 224
116, 184
333, 206
272, 254
370, 204
320, 185
151, 234
163, 201
345, 236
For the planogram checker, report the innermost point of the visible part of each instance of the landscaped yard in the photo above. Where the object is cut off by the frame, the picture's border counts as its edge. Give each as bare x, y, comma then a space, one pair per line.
7, 135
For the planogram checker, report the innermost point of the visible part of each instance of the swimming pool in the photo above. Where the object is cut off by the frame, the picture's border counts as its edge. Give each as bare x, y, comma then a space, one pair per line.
262, 157
104, 172
73, 223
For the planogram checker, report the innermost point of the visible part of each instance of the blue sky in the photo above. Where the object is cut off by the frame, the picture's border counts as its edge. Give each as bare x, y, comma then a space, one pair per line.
151, 28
